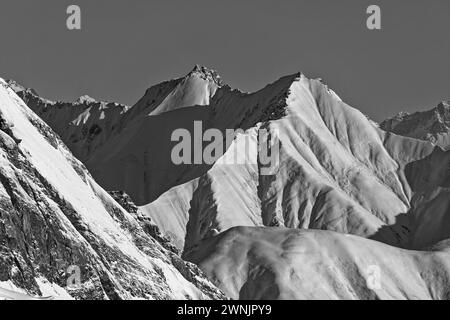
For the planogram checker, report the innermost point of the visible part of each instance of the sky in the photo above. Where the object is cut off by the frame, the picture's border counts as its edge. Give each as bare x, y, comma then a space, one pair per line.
124, 47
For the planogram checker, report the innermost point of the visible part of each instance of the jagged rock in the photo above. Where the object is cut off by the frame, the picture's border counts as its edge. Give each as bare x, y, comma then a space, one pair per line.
146, 223
124, 200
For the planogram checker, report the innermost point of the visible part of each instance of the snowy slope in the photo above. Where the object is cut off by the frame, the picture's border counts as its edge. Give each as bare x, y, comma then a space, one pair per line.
431, 125
338, 171
279, 263
54, 217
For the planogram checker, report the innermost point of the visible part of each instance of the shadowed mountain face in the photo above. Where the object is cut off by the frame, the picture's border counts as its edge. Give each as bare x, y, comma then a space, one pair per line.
58, 224
432, 125
337, 171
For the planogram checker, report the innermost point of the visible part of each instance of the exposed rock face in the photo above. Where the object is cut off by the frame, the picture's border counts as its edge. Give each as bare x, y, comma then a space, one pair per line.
55, 219
146, 223
432, 125
124, 200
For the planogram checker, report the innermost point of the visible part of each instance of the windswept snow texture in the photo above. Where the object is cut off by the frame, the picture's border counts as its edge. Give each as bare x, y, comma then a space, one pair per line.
54, 218
278, 263
432, 125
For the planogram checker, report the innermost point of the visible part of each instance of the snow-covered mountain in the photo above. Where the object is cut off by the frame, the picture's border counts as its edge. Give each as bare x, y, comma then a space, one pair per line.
337, 172
57, 223
432, 125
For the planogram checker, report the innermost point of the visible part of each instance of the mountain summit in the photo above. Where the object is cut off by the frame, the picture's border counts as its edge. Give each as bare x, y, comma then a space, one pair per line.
207, 74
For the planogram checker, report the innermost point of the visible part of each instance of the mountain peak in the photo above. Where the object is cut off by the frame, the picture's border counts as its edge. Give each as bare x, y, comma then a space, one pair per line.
432, 125
201, 69
206, 73
17, 87
85, 99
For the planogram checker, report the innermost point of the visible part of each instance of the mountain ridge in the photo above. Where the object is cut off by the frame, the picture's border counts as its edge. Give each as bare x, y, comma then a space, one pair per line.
54, 218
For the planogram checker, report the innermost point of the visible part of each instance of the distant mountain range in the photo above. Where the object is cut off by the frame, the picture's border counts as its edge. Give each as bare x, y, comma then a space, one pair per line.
432, 125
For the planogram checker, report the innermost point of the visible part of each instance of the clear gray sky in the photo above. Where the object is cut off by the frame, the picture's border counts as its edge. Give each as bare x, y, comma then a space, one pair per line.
125, 46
